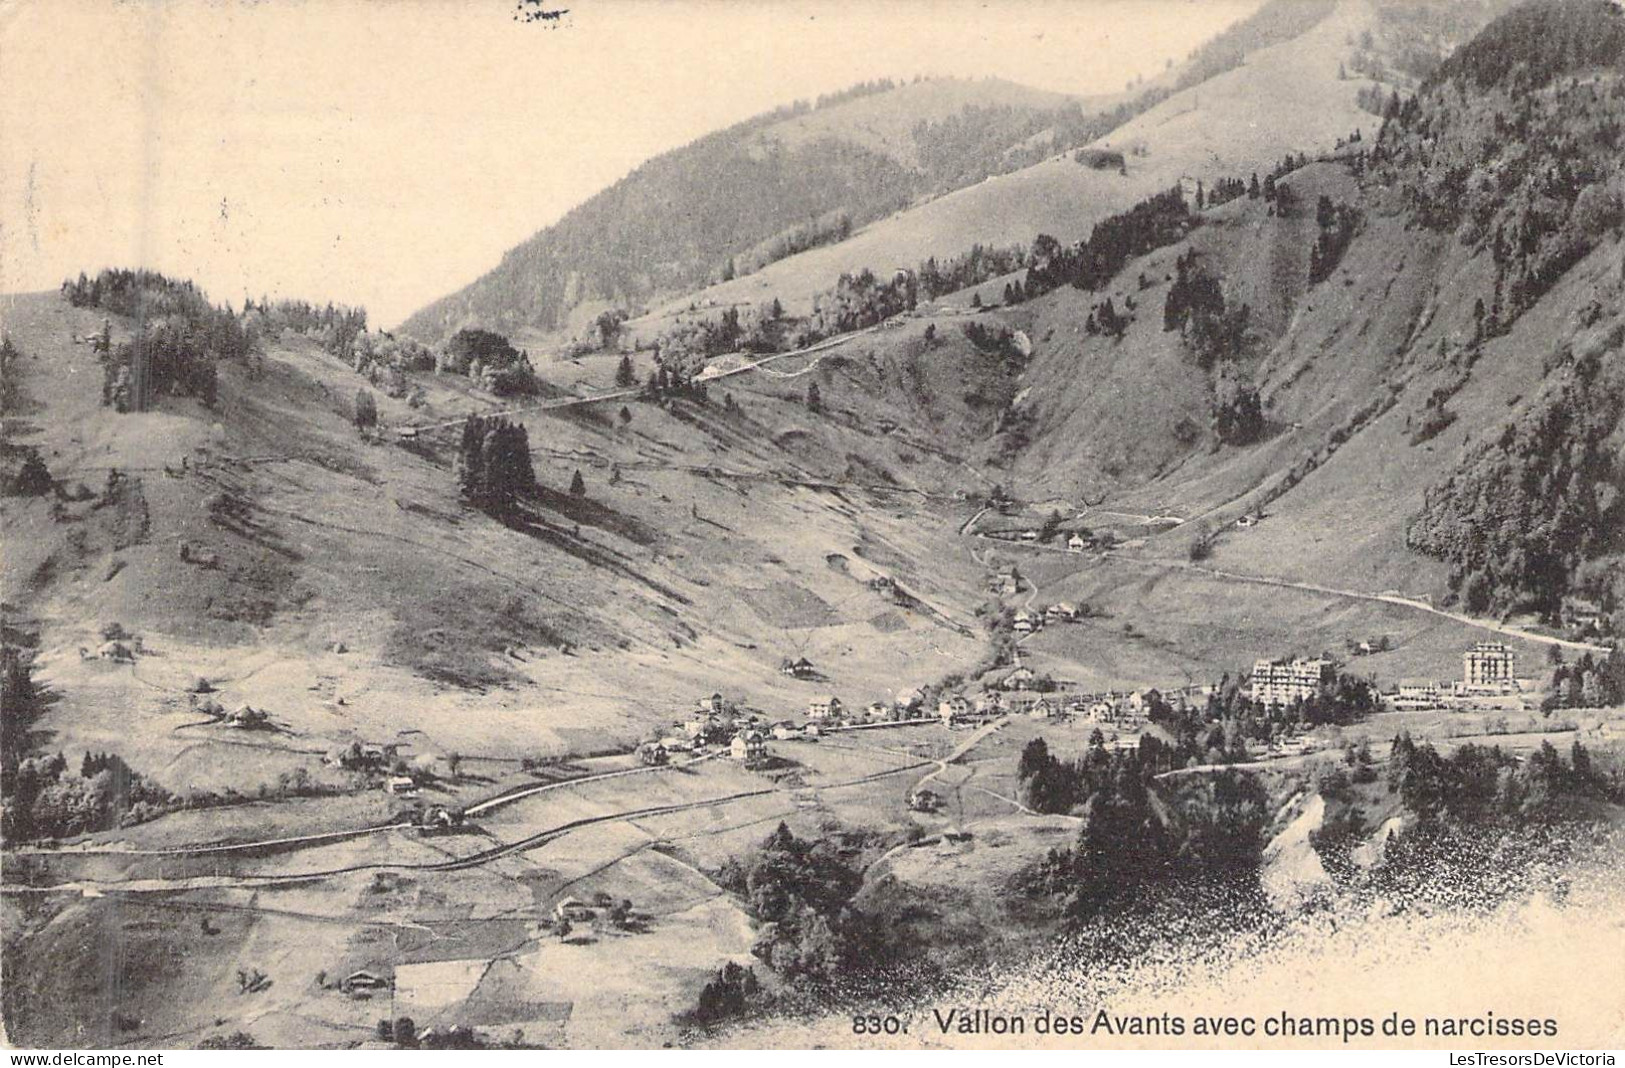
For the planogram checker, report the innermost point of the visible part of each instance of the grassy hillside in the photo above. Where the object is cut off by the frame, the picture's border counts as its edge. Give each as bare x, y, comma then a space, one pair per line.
1286, 97
717, 206
703, 552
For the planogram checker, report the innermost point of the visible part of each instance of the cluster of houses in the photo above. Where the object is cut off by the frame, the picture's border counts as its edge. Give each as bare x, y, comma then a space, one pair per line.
713, 722
1125, 711
1076, 543
1488, 681
1028, 620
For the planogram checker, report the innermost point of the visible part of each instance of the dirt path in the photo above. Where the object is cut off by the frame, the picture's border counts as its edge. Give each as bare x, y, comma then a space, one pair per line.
95, 888
1382, 598
1331, 591
558, 403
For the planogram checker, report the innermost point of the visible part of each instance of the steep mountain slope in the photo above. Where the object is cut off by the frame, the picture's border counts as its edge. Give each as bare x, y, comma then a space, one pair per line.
1287, 97
889, 175
796, 175
1434, 334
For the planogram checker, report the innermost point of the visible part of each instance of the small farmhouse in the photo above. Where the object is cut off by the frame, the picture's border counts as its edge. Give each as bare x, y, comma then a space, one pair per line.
824, 708
748, 747
799, 668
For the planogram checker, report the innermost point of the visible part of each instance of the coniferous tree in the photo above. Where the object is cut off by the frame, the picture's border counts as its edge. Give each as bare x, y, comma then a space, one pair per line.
815, 403
494, 471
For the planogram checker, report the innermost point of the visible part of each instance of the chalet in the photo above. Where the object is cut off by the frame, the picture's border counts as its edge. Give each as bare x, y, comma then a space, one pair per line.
953, 708
712, 706
812, 730
824, 708
653, 754
247, 718
363, 980
924, 800
876, 712
1102, 711
910, 699
748, 746
1022, 678
799, 668
1076, 544
1029, 535
784, 731
573, 910
1005, 583
988, 704
440, 818
1247, 521
1040, 709
1062, 610
1022, 623
402, 785
676, 745
115, 651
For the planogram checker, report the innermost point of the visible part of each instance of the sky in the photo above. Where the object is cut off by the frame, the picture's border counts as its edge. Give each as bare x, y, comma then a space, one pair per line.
386, 153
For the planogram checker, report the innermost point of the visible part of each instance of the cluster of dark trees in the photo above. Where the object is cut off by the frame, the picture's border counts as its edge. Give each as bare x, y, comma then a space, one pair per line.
973, 267
494, 471
1480, 784
691, 342
730, 994
44, 800
1545, 183
336, 327
1104, 318
1195, 306
491, 360
664, 382
861, 300
1157, 221
1224, 191
995, 340
1535, 43
1483, 818
1586, 683
1336, 224
1526, 512
801, 892
31, 479
149, 296
402, 1033
1237, 410
179, 338
1125, 845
